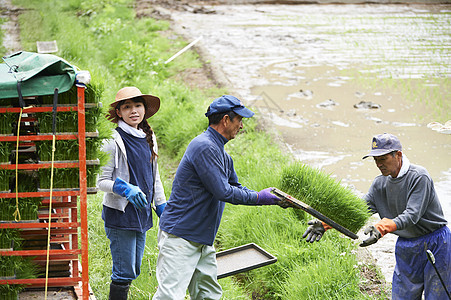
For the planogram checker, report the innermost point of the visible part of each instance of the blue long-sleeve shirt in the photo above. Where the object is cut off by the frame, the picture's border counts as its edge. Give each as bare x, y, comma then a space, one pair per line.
204, 181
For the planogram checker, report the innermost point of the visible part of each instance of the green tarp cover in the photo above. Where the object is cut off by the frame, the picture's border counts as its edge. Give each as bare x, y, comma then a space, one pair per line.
38, 74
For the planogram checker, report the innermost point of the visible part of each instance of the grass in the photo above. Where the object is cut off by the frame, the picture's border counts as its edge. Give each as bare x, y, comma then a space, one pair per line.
119, 49
7, 121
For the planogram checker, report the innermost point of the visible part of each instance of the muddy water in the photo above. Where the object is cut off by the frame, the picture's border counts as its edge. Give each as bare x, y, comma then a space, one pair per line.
304, 68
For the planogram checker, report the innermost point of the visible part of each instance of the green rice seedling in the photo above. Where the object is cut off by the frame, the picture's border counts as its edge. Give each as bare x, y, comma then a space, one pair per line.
325, 194
91, 175
68, 177
68, 97
7, 121
8, 265
68, 149
7, 209
64, 150
27, 181
10, 291
28, 208
10, 238
6, 176
93, 146
15, 267
65, 122
62, 178
94, 92
5, 152
93, 117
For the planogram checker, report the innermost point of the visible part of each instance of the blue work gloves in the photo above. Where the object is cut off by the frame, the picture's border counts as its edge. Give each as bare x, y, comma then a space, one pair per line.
265, 197
160, 208
133, 193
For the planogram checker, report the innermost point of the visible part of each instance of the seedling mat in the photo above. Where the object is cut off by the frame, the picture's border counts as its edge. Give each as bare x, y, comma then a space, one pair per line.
307, 208
242, 259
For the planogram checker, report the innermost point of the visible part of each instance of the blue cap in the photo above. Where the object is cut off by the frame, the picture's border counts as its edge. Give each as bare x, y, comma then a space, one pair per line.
383, 144
228, 103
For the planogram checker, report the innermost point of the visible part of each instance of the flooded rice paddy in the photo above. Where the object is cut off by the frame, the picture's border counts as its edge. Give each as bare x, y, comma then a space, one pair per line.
329, 77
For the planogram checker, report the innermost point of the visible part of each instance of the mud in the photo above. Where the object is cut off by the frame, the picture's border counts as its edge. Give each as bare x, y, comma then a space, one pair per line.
305, 68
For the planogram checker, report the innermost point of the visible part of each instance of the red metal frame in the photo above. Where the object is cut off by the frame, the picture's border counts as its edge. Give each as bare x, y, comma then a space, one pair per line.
65, 229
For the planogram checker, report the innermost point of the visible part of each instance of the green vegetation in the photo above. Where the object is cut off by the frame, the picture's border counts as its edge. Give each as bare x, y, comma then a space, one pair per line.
14, 266
326, 195
106, 38
28, 208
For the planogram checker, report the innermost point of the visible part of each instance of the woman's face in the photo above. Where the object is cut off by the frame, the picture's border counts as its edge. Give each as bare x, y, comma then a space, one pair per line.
131, 112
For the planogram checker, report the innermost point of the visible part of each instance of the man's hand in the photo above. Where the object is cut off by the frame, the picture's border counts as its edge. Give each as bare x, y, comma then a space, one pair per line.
265, 197
284, 203
377, 231
375, 235
315, 231
385, 226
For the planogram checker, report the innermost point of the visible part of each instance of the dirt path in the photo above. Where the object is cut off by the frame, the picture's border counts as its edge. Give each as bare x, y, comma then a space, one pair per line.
11, 38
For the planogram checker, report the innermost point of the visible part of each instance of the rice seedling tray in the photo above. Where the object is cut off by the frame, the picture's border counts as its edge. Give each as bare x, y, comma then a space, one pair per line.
242, 259
89, 190
307, 208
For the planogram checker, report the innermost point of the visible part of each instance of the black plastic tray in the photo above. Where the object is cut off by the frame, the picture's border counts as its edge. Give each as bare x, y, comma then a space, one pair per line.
307, 208
242, 259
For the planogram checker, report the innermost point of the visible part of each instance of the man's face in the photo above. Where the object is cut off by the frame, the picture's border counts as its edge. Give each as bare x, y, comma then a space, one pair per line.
132, 112
389, 164
233, 126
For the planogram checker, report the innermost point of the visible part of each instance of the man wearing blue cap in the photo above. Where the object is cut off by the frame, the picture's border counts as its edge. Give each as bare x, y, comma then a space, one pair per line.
405, 199
204, 182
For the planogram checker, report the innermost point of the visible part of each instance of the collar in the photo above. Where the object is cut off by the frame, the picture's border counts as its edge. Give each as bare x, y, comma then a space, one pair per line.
217, 135
131, 130
404, 167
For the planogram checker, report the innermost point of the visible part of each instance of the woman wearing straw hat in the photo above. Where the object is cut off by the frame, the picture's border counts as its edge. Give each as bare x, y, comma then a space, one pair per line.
131, 182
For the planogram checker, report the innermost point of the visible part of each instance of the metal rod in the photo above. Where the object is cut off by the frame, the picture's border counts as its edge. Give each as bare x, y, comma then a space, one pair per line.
431, 258
307, 208
183, 50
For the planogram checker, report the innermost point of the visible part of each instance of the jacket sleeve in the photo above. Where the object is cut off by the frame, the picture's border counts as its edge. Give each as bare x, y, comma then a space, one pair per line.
159, 196
221, 180
105, 180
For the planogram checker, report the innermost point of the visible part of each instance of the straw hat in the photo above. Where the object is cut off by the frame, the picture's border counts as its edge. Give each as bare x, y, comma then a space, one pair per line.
152, 103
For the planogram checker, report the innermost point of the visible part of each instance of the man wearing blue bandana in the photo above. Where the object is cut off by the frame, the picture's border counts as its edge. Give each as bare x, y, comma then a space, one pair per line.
204, 182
